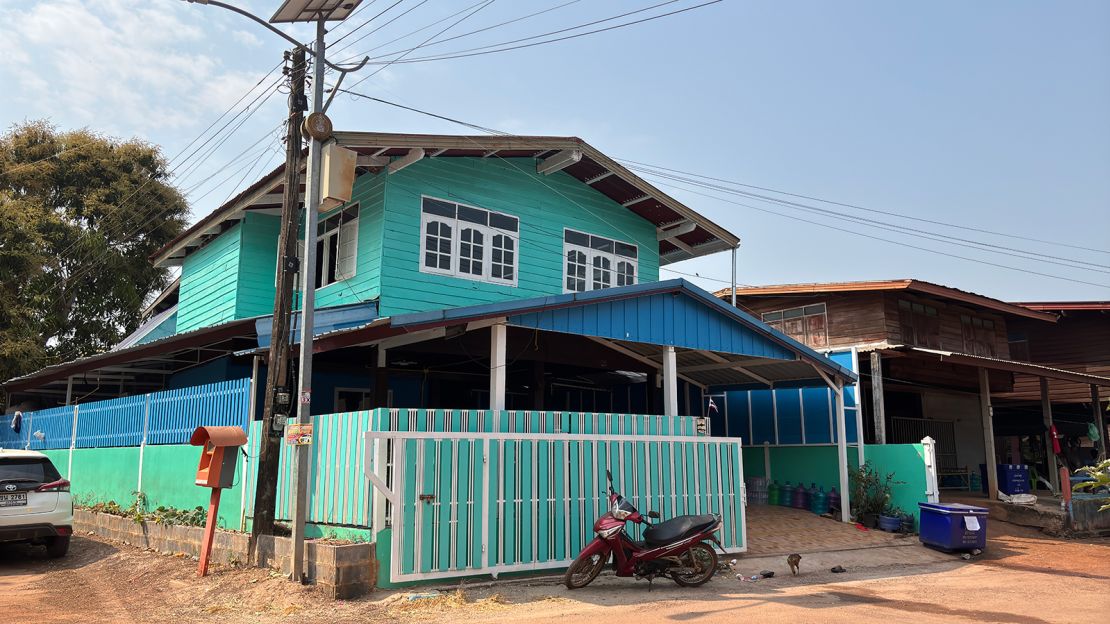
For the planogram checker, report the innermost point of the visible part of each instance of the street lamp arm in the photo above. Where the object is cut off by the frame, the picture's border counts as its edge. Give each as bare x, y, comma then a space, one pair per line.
278, 32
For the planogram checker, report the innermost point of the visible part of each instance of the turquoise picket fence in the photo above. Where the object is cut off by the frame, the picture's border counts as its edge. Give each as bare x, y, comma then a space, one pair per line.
340, 492
486, 503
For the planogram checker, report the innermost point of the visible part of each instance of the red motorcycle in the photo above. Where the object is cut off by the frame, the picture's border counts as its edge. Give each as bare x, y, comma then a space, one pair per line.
677, 548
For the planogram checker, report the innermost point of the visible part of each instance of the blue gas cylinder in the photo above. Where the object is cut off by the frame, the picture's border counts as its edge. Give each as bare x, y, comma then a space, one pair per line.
786, 495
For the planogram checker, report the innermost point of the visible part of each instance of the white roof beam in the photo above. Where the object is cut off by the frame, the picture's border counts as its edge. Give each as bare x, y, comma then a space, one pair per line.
414, 155
635, 200
558, 161
672, 231
599, 178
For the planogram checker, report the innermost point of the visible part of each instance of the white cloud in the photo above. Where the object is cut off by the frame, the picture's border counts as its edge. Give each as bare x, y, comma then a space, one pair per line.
124, 66
246, 38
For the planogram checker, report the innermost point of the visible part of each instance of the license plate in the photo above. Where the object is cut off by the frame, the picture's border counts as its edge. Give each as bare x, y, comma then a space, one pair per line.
19, 499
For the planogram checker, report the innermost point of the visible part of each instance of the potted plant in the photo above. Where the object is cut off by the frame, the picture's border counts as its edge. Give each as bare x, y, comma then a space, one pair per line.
890, 519
871, 494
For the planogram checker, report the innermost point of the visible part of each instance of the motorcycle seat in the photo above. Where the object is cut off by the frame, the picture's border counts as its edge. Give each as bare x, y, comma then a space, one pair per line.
676, 529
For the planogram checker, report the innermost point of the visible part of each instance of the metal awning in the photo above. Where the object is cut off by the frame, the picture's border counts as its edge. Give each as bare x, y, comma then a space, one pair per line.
715, 343
1010, 366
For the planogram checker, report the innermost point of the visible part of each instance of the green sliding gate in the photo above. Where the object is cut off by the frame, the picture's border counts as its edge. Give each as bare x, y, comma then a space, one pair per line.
468, 503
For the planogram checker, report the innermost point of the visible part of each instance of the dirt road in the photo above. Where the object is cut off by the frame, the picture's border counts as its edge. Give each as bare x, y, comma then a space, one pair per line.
1024, 578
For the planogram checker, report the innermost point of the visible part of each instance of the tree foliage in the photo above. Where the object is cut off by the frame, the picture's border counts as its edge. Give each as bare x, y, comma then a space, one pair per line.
79, 214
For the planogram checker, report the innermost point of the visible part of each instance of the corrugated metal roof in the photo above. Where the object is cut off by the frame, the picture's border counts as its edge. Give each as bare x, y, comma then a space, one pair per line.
631, 316
1012, 366
938, 290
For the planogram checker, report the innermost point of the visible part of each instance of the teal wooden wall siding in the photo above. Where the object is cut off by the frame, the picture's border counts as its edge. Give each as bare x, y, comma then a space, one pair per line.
544, 204
209, 283
341, 493
369, 192
257, 265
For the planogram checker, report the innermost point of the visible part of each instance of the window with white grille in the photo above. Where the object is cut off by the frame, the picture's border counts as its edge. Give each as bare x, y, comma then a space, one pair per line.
468, 242
595, 262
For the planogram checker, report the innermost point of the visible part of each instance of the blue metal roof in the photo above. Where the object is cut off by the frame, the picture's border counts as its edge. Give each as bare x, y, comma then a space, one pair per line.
325, 320
672, 312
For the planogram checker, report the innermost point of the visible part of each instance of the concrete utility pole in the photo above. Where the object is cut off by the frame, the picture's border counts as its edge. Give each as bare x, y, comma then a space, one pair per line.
278, 394
308, 305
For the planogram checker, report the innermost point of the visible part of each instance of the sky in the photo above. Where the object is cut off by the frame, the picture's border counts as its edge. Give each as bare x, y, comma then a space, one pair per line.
990, 116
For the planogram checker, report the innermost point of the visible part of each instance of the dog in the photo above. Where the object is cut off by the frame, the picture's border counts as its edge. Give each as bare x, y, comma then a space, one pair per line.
793, 561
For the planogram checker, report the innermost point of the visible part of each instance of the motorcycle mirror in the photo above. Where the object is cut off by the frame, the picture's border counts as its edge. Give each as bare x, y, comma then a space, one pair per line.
609, 475
653, 514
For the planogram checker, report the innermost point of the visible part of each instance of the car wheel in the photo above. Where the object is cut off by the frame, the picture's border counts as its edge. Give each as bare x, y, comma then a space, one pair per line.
57, 546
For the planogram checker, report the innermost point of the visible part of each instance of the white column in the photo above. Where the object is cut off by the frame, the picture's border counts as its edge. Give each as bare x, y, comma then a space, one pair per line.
987, 413
497, 366
670, 382
932, 489
69, 389
842, 452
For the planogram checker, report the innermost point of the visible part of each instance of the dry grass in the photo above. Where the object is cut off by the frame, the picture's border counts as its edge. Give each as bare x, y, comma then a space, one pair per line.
457, 600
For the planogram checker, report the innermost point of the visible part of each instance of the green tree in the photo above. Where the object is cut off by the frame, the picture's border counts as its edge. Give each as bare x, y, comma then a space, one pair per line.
79, 214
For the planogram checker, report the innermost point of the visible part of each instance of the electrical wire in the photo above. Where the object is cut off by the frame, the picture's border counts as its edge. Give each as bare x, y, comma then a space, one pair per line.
425, 42
483, 50
628, 161
391, 20
893, 227
360, 26
930, 250
466, 34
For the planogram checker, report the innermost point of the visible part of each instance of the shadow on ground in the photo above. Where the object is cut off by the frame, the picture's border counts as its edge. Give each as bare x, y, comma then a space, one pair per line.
22, 559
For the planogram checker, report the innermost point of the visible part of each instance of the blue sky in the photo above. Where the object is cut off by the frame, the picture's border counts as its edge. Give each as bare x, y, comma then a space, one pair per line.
991, 115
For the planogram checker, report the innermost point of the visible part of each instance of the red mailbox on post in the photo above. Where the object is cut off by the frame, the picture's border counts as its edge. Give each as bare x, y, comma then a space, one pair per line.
218, 457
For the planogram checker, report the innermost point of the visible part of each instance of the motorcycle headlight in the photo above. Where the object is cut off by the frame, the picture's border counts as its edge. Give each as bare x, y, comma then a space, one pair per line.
620, 514
609, 532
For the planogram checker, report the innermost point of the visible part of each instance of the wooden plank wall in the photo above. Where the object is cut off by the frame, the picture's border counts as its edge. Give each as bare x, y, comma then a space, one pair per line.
1079, 341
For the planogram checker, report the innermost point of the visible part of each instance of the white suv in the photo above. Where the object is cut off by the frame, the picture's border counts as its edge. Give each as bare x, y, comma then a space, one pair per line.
35, 504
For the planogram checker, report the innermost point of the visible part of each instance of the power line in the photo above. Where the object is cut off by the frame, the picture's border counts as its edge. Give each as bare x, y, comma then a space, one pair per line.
885, 240
858, 207
466, 34
425, 42
943, 253
893, 227
391, 20
483, 51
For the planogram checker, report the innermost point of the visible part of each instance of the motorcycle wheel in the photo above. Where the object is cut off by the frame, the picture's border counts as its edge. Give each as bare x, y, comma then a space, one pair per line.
584, 570
703, 559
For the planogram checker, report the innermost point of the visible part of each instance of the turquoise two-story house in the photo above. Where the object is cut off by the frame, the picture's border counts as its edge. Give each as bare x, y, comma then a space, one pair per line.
466, 272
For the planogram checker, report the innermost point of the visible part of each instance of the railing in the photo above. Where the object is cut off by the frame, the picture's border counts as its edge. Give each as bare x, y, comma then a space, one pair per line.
167, 417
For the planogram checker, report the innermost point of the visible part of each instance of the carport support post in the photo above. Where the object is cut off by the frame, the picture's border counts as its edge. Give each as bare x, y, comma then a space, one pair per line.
1096, 413
987, 413
842, 451
497, 367
1049, 455
670, 382
878, 410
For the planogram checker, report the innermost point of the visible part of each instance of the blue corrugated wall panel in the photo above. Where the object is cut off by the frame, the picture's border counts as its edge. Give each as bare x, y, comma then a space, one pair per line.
666, 319
788, 404
819, 424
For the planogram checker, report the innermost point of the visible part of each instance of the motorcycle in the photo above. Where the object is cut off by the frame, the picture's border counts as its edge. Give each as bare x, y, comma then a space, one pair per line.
678, 548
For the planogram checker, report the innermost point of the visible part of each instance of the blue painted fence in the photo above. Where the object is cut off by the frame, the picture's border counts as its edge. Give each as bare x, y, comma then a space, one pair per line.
162, 417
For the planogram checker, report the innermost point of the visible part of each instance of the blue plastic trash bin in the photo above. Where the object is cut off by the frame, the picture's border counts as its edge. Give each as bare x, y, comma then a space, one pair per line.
953, 526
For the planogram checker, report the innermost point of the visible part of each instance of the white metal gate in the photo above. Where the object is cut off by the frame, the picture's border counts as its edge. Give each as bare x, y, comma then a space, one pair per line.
465, 503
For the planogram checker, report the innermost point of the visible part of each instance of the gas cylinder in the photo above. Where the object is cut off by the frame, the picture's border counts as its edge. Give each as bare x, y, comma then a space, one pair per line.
834, 499
786, 495
773, 493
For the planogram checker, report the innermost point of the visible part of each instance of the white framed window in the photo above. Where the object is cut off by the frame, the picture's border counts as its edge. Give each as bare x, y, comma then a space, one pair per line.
596, 262
468, 242
337, 247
